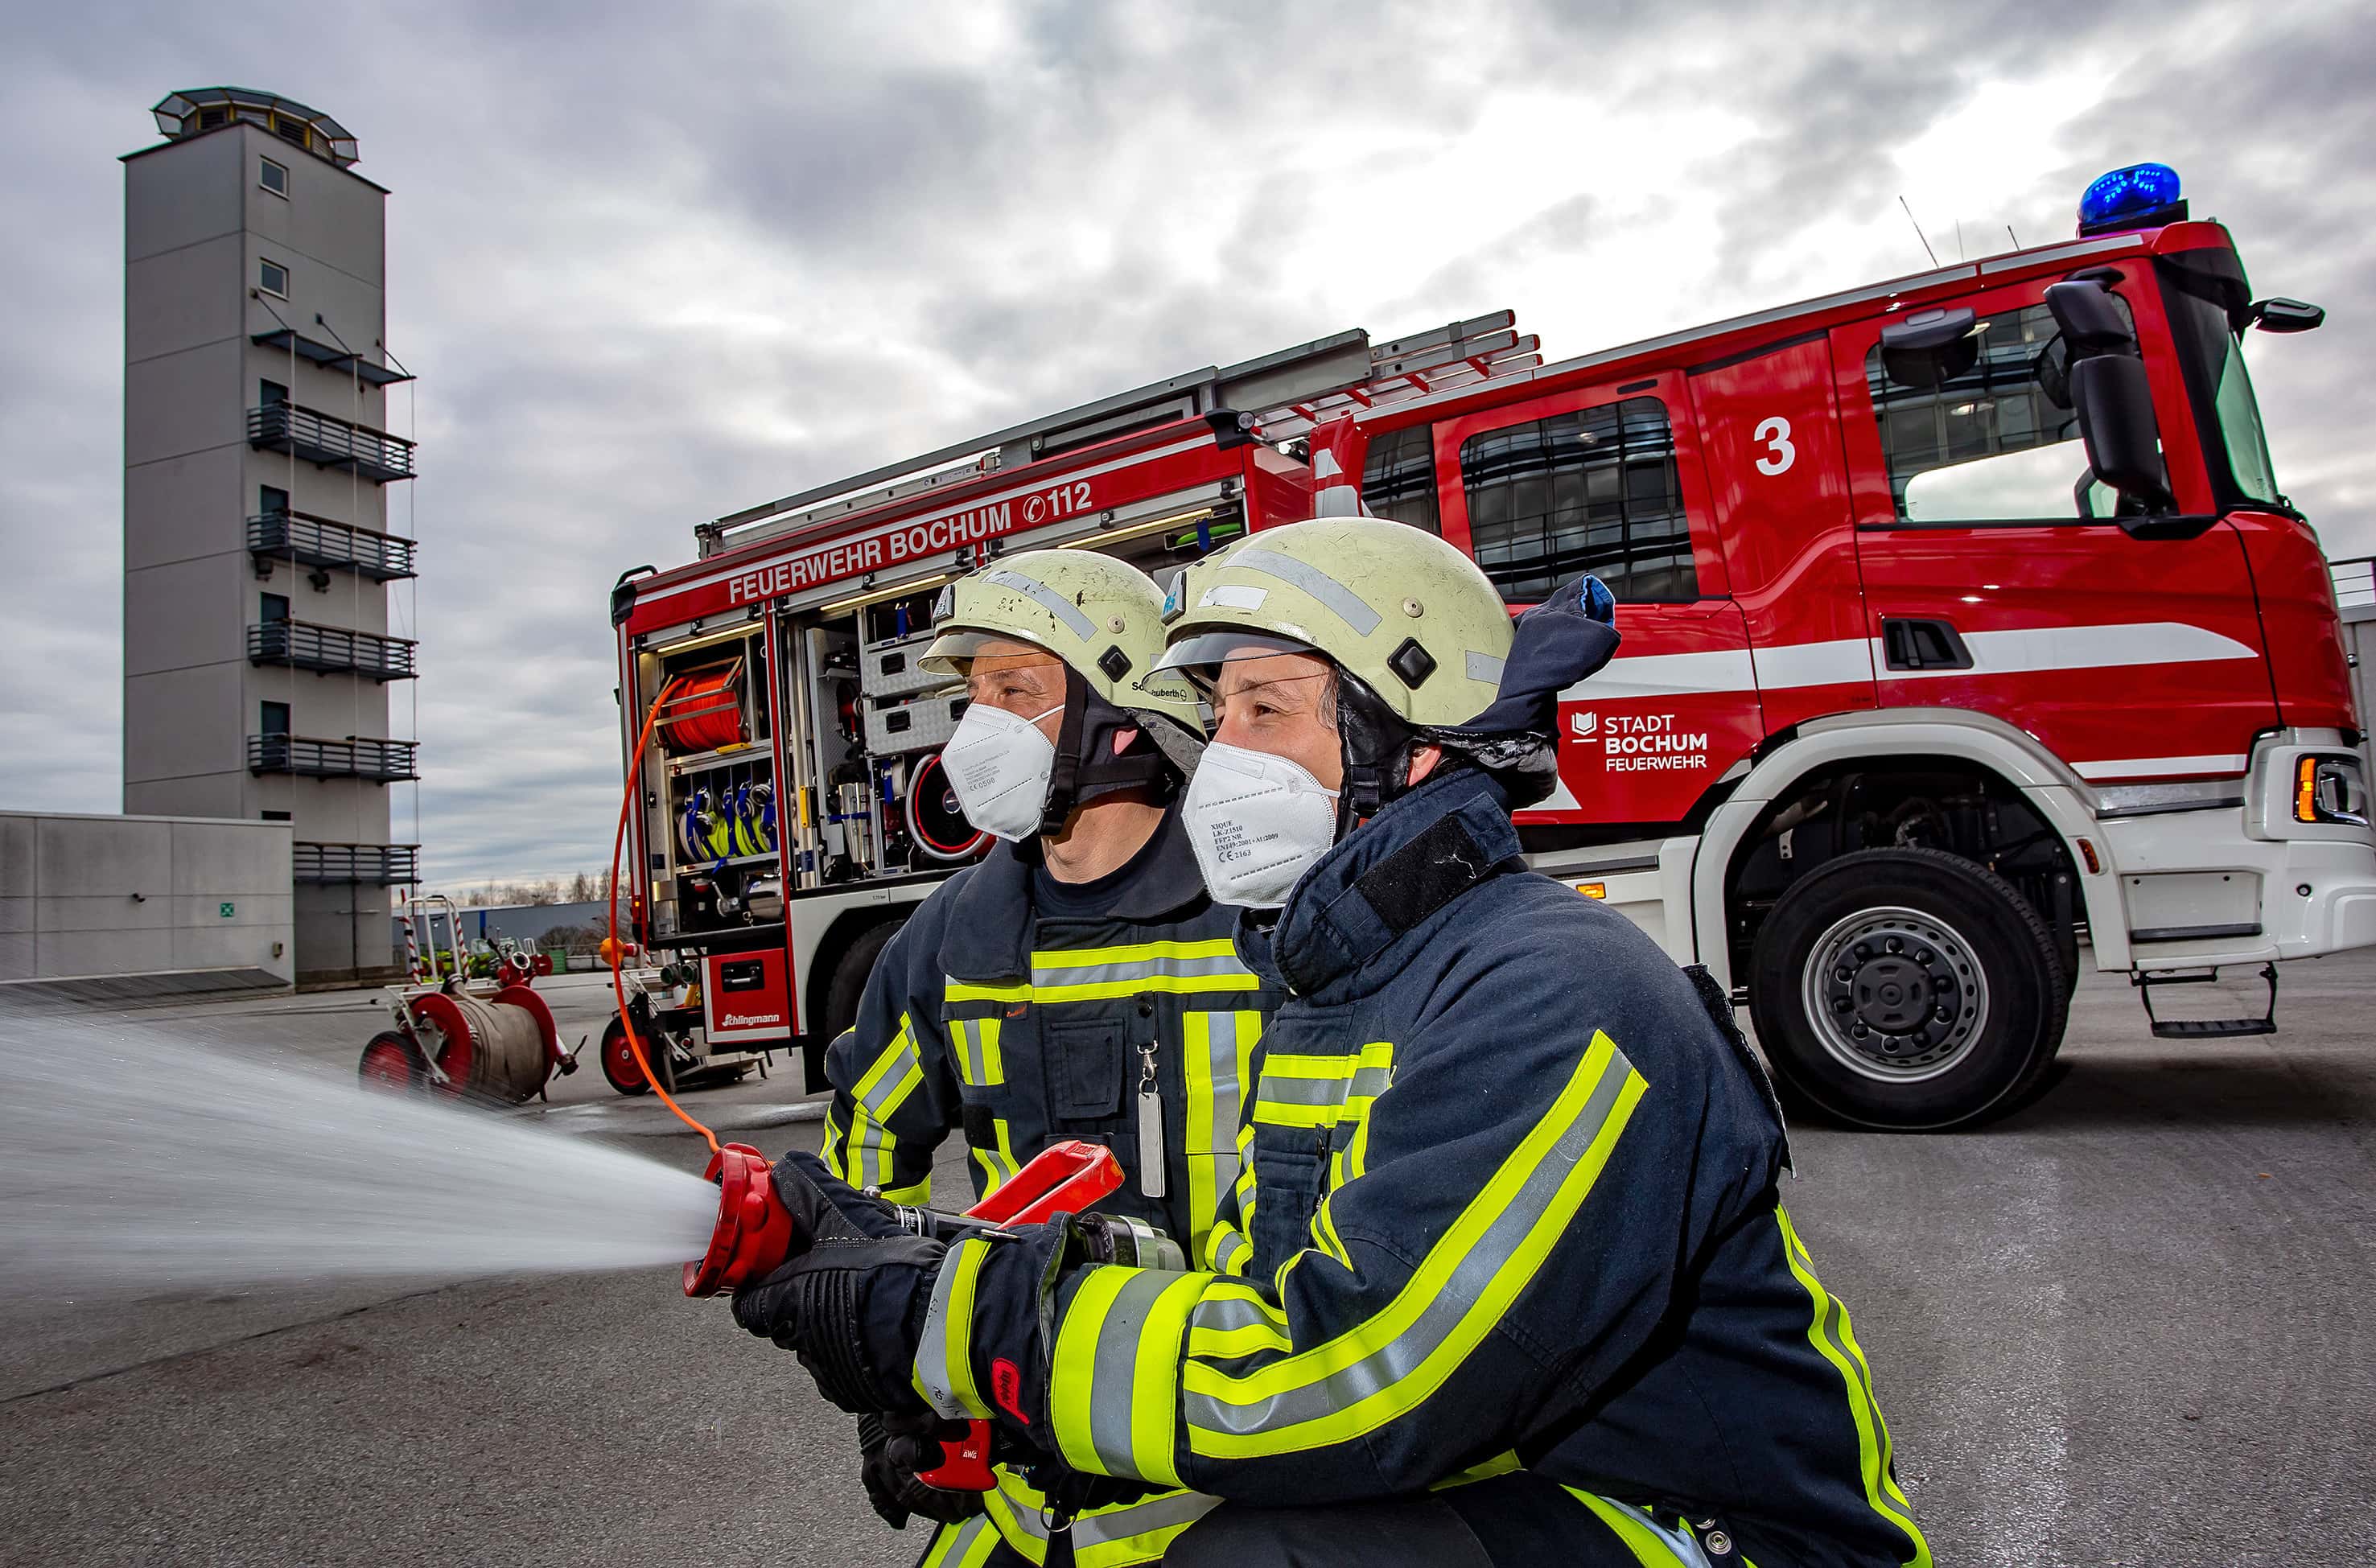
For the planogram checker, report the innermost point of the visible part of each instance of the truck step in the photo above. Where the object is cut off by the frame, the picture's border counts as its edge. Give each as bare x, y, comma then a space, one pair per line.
2212, 1029
2203, 1029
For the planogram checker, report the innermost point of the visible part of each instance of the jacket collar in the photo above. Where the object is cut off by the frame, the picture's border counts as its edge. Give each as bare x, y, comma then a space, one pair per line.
990, 927
1384, 881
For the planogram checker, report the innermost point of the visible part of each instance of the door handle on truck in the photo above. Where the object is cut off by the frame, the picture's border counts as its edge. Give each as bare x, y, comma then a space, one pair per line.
1923, 645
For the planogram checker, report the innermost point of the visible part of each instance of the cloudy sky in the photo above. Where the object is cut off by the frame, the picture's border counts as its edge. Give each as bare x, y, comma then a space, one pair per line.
651, 272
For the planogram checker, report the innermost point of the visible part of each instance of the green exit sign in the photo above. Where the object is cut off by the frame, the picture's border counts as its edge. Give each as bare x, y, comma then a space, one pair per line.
227, 910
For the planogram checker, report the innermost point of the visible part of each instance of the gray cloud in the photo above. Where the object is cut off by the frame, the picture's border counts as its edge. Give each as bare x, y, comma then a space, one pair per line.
653, 268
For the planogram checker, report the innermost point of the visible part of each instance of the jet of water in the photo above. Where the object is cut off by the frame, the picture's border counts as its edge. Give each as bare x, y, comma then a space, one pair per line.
133, 1161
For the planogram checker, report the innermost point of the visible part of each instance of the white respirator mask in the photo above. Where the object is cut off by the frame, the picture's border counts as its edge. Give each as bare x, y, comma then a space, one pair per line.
1257, 823
1000, 765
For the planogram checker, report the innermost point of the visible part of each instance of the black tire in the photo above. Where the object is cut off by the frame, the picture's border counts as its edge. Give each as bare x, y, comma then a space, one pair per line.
1884, 941
843, 992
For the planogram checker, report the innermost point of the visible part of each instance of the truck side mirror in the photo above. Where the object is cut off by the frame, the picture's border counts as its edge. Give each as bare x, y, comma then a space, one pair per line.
2110, 393
2280, 314
2116, 423
1931, 348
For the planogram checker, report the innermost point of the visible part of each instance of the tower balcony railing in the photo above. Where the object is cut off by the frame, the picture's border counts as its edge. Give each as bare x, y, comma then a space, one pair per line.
382, 761
301, 645
332, 442
379, 865
309, 541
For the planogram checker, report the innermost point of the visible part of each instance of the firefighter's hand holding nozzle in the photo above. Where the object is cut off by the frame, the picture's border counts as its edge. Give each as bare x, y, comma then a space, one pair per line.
841, 1298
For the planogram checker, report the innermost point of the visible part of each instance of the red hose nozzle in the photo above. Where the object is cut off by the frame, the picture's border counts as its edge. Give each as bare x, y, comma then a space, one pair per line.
754, 1229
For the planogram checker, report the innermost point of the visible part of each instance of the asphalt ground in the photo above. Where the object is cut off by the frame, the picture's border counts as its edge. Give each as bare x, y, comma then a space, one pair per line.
2131, 1324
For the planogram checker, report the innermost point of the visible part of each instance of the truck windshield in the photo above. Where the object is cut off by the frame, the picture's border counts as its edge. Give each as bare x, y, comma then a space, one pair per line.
2201, 297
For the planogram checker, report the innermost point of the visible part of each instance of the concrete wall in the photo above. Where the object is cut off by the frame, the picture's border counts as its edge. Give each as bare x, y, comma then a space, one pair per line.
85, 896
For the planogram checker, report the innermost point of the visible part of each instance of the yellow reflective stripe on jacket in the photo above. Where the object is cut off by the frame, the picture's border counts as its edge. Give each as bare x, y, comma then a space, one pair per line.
1485, 1470
1116, 1535
1650, 1545
1120, 1372
1245, 1189
1226, 1250
1829, 1332
1111, 1399
879, 1091
943, 1370
1320, 1091
966, 1545
1386, 1366
1092, 974
1220, 1057
999, 1164
1233, 1319
830, 1150
975, 1043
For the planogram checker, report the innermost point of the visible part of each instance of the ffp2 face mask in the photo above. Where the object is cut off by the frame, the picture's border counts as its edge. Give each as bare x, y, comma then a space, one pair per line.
1257, 822
1000, 765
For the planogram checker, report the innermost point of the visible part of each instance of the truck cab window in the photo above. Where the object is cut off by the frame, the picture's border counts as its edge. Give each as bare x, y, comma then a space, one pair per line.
1398, 478
1593, 489
1992, 444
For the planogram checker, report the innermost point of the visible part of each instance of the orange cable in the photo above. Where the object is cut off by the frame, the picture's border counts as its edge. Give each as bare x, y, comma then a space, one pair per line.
618, 953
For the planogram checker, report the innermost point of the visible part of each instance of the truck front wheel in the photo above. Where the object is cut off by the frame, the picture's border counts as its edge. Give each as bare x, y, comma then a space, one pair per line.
1906, 989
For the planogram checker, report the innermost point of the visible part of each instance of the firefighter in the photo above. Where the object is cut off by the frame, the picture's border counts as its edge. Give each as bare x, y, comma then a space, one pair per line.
1506, 1278
1077, 983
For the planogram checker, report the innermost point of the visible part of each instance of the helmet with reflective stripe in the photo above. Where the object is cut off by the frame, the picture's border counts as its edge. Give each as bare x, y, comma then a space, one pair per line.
1104, 619
1101, 616
1408, 615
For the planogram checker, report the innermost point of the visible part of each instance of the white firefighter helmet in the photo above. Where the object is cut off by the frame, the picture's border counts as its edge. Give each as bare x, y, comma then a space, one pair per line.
1395, 606
1102, 617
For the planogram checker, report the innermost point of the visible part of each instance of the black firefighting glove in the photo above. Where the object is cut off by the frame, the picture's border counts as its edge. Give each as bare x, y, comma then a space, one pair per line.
892, 1454
849, 1302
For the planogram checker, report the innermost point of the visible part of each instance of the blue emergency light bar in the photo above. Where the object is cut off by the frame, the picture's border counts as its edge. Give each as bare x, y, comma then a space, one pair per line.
2143, 196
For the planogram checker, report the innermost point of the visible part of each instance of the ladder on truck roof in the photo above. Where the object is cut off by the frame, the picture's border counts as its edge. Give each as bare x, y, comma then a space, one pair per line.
1277, 396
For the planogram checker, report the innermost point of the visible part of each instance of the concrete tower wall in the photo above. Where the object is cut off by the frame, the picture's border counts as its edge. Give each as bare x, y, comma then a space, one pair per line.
214, 259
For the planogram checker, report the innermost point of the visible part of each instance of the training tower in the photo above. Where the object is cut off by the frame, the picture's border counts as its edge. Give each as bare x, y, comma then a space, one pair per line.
258, 653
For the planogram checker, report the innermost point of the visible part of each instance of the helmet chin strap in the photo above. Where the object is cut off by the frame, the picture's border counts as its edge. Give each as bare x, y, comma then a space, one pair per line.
1087, 763
1376, 746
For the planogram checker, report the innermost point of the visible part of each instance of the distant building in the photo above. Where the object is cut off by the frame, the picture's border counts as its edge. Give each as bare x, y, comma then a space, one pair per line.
258, 462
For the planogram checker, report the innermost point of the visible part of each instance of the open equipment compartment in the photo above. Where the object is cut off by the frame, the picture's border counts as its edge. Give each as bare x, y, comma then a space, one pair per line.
712, 824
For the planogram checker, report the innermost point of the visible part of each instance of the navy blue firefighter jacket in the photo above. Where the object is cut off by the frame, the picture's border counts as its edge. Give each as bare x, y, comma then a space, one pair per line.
1509, 1199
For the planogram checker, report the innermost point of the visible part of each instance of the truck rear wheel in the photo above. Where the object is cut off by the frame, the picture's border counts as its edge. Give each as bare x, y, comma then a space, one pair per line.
843, 993
1906, 989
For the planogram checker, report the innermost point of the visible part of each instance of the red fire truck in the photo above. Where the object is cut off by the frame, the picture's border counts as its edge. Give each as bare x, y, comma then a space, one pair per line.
1968, 638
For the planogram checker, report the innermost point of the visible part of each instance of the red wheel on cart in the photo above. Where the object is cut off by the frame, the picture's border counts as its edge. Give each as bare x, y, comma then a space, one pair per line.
390, 1065
619, 1063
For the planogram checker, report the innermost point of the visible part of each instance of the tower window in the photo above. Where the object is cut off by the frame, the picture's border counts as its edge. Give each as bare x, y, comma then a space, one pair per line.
271, 394
274, 607
272, 277
208, 118
289, 129
273, 178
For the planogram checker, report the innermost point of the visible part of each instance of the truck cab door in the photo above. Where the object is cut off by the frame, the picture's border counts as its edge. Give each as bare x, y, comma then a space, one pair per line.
1987, 589
1770, 429
1608, 478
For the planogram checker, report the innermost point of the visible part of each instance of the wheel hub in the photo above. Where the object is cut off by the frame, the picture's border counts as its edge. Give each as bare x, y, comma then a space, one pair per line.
1895, 993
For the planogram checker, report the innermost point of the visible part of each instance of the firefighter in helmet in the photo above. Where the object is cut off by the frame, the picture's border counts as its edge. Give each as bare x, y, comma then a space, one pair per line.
1506, 1277
1078, 982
